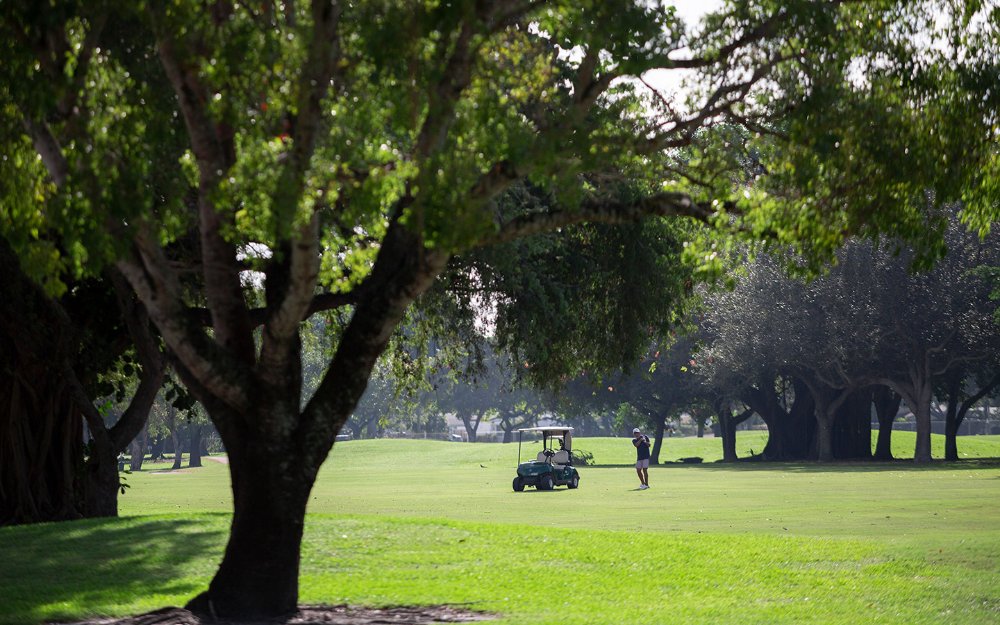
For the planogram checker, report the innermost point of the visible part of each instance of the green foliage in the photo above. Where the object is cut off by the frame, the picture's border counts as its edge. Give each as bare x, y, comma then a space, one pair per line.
587, 299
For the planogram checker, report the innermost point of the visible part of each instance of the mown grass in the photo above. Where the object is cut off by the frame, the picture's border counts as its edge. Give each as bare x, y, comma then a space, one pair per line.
421, 522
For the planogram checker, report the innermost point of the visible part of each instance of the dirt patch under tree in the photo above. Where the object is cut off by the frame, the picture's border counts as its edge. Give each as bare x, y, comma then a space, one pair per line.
313, 615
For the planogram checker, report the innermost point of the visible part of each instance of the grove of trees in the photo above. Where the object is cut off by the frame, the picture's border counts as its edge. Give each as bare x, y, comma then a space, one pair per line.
868, 329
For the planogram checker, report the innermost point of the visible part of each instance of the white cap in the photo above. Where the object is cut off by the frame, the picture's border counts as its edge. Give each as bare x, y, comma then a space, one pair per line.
635, 430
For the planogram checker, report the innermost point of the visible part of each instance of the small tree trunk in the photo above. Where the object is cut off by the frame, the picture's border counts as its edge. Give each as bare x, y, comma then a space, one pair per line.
727, 425
951, 437
951, 422
701, 428
175, 440
138, 450
824, 437
470, 426
654, 455
922, 412
194, 442
727, 428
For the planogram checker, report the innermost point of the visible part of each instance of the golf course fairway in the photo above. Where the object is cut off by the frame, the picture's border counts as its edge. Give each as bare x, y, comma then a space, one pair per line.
410, 522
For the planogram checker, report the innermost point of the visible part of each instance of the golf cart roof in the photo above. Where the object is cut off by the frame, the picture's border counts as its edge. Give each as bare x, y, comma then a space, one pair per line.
547, 428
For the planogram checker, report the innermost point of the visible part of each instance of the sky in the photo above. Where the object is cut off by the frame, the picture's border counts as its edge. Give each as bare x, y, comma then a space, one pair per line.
668, 83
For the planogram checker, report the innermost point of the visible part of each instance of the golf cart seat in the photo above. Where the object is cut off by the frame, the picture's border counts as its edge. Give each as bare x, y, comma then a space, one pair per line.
542, 457
561, 457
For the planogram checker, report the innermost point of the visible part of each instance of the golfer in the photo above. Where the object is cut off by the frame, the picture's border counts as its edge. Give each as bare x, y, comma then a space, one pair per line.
641, 442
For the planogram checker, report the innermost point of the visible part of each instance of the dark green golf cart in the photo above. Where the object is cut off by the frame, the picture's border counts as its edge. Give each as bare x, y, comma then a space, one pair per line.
554, 464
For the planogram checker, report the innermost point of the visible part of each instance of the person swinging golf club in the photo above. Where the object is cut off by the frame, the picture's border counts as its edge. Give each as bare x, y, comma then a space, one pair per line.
641, 442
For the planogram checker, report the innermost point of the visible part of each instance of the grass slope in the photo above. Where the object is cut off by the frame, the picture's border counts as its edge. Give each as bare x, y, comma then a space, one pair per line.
421, 522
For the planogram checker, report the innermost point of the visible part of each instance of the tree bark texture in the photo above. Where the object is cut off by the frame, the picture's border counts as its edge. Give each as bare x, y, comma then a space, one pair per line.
259, 572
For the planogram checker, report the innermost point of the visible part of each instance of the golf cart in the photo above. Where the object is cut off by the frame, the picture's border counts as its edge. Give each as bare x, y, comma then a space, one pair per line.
554, 464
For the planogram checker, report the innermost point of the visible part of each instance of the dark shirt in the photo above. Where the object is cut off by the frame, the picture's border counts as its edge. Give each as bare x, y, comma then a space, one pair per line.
641, 447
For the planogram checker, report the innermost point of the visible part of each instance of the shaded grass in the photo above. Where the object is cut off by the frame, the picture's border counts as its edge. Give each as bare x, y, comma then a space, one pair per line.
105, 566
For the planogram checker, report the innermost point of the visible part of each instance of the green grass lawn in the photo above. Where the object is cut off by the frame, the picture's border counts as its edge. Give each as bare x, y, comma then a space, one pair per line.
421, 522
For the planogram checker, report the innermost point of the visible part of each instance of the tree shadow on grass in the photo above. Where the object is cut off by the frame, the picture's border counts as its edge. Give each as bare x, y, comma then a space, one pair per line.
971, 464
60, 570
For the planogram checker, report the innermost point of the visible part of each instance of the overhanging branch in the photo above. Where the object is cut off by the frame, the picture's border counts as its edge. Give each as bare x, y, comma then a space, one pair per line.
600, 211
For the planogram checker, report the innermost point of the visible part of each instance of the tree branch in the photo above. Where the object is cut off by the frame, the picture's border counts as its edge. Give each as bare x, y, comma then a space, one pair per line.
150, 357
403, 270
212, 144
48, 149
971, 401
600, 211
149, 274
290, 286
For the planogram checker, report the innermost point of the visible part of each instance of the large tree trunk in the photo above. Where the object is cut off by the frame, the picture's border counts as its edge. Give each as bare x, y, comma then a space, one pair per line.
788, 432
828, 401
727, 427
259, 573
886, 406
41, 428
917, 392
41, 446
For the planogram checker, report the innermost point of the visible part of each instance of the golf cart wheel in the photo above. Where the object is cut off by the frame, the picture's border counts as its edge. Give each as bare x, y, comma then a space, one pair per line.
545, 482
518, 484
573, 481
